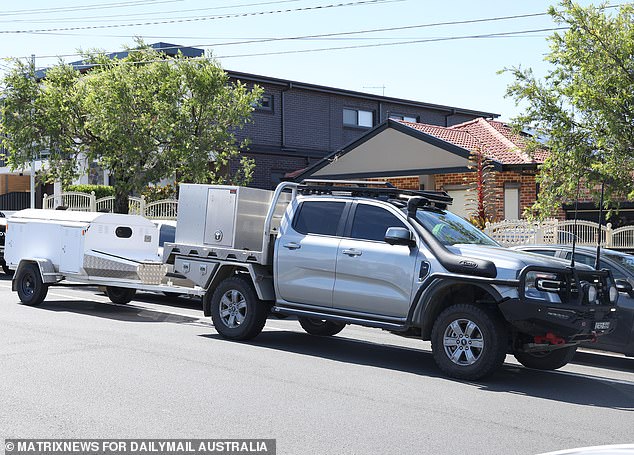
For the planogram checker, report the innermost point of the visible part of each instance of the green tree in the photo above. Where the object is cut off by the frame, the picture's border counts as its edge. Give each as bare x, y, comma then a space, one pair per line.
583, 109
144, 117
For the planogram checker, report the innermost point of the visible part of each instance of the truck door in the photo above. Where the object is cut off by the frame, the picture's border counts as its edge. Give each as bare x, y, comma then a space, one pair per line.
306, 253
373, 276
71, 251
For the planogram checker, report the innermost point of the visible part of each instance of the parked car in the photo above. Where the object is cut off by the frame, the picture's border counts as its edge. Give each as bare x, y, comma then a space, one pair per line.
622, 267
167, 233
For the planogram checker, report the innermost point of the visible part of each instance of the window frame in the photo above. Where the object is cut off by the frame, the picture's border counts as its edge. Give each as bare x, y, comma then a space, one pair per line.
258, 107
398, 116
353, 212
357, 111
343, 217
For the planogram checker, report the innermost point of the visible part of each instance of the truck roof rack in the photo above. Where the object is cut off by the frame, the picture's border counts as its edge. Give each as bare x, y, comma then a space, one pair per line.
376, 189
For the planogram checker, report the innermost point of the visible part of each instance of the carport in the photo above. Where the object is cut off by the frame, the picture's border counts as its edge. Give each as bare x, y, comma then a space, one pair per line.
391, 149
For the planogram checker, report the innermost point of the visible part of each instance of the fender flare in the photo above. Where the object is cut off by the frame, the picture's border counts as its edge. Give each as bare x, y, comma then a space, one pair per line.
429, 301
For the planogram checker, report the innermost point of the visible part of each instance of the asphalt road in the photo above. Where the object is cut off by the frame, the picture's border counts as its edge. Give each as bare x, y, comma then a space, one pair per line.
79, 367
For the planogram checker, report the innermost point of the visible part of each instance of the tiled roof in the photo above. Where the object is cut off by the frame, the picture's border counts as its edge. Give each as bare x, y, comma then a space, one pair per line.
495, 139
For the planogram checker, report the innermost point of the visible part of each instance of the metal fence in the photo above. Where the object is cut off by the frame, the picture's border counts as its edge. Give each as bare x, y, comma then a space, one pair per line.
16, 200
166, 209
522, 232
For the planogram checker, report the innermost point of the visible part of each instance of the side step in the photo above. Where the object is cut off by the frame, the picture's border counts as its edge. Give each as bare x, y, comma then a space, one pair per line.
391, 326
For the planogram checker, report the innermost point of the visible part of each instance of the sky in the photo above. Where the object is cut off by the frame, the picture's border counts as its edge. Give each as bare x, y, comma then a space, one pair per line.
454, 64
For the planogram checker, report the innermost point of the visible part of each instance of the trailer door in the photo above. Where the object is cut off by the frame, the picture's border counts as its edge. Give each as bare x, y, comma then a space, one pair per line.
71, 251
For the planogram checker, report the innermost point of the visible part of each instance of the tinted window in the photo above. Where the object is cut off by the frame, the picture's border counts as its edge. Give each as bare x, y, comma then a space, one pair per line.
370, 222
317, 217
626, 261
167, 234
123, 232
589, 260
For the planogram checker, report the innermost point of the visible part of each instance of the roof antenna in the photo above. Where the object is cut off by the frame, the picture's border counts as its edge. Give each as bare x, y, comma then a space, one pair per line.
574, 235
598, 258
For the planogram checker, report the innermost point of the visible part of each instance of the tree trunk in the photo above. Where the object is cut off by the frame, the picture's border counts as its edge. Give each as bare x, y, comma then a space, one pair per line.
121, 204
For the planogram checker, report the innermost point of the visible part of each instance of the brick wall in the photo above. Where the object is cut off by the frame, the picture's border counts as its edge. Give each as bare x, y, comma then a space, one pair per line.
526, 182
313, 127
405, 183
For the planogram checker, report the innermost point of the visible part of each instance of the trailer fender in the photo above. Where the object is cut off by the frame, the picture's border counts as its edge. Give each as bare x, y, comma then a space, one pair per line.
45, 266
259, 274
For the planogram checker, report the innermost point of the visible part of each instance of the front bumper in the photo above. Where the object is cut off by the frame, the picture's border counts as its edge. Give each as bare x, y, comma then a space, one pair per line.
571, 322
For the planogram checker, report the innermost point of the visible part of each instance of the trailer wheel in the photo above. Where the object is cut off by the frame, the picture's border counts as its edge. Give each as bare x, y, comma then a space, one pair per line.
546, 360
31, 290
469, 341
120, 295
236, 311
321, 327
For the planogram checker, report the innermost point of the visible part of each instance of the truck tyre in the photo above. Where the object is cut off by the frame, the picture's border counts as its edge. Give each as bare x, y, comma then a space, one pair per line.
236, 311
469, 341
546, 360
320, 327
120, 295
31, 290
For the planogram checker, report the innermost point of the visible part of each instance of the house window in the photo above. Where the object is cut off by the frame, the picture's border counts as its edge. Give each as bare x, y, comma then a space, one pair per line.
358, 117
407, 118
511, 201
265, 103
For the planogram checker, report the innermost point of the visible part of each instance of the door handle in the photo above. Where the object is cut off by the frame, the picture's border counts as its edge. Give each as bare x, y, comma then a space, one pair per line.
292, 246
352, 252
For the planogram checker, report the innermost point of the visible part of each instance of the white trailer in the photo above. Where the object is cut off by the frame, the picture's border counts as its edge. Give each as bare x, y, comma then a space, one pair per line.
120, 252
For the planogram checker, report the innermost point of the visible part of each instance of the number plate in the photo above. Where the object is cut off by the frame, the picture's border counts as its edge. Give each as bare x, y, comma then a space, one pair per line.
601, 325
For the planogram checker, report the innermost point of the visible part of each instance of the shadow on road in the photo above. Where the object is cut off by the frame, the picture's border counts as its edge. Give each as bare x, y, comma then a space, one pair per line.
126, 313
595, 359
550, 385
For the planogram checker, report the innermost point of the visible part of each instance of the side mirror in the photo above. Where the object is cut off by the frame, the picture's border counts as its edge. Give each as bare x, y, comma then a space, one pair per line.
399, 236
624, 286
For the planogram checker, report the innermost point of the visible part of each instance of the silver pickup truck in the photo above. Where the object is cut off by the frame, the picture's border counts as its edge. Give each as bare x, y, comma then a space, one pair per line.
338, 253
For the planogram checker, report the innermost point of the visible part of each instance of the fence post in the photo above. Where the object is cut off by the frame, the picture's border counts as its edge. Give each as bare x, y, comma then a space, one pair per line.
93, 202
539, 232
142, 206
44, 201
608, 235
487, 228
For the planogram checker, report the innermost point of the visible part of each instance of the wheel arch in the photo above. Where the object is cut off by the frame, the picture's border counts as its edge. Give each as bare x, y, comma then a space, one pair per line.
256, 274
443, 293
44, 266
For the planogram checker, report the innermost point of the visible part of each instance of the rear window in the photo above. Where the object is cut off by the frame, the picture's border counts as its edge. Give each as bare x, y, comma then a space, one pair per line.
318, 217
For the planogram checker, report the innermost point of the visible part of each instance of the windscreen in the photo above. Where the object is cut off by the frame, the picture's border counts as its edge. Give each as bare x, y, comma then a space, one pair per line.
626, 261
451, 229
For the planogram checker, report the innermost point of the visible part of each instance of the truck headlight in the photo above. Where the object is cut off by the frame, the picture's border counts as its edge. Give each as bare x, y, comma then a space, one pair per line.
542, 286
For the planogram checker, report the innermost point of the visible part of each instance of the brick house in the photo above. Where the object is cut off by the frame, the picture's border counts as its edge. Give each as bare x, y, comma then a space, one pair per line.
426, 156
298, 124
